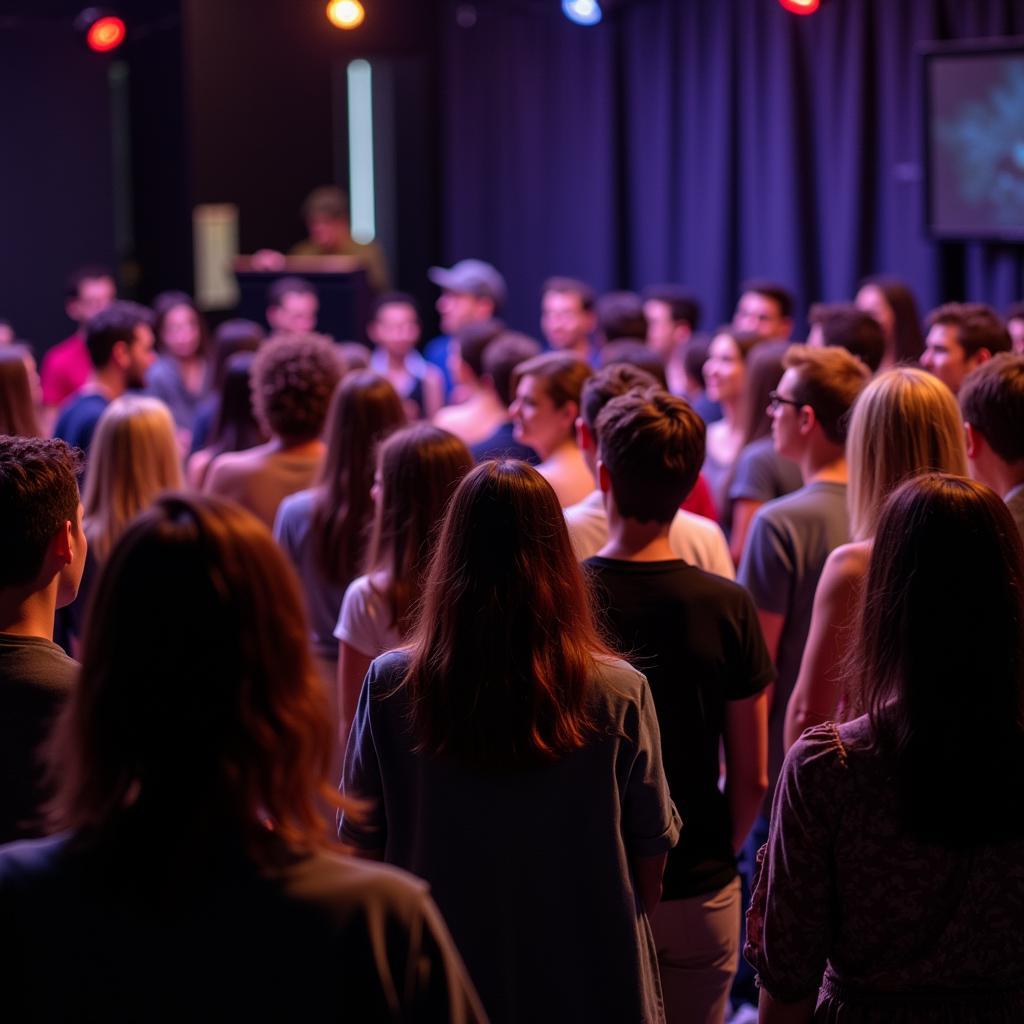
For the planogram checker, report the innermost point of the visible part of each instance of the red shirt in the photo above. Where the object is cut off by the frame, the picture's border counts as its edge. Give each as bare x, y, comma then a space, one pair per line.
700, 502
66, 367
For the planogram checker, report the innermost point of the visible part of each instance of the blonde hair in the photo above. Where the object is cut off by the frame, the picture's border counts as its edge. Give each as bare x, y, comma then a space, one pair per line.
133, 458
905, 422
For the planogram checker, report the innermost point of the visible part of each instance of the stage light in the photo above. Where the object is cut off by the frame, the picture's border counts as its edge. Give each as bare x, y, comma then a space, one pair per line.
345, 13
801, 6
582, 12
104, 31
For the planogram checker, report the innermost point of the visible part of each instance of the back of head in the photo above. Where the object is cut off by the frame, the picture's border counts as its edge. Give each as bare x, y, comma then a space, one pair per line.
197, 700
940, 658
607, 384
829, 381
977, 326
652, 445
992, 401
500, 358
38, 495
634, 353
420, 467
905, 422
473, 340
115, 323
621, 315
235, 426
561, 374
293, 379
503, 578
17, 408
133, 458
683, 305
230, 337
364, 410
844, 325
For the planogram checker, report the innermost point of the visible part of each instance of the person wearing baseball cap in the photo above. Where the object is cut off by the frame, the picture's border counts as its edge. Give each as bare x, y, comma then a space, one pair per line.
472, 291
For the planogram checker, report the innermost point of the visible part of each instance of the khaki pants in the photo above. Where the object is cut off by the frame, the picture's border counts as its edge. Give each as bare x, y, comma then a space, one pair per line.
698, 949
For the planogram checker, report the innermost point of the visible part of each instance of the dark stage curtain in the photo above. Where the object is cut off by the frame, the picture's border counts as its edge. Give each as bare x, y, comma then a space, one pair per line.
704, 142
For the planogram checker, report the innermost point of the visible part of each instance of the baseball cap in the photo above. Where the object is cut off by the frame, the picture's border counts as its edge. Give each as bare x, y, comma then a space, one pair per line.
475, 277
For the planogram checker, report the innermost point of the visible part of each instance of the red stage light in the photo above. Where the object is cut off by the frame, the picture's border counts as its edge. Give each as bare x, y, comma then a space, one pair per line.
801, 6
105, 35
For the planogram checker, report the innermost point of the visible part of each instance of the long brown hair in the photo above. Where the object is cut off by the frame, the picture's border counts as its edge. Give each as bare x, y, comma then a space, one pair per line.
364, 410
939, 666
504, 647
17, 410
197, 700
419, 469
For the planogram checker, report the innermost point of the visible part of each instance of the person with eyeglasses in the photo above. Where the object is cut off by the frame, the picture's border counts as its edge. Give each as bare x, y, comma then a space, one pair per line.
791, 537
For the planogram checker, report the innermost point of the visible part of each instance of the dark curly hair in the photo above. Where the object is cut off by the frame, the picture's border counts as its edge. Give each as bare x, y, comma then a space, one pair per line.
293, 379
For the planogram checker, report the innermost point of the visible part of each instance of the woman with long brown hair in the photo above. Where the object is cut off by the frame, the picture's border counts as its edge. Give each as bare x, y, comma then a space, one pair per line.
418, 468
196, 869
891, 887
18, 415
514, 763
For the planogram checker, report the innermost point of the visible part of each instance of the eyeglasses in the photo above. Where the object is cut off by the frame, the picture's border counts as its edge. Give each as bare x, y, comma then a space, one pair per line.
775, 400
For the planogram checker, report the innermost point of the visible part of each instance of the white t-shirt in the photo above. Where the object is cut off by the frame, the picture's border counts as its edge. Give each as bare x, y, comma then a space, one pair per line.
693, 538
365, 619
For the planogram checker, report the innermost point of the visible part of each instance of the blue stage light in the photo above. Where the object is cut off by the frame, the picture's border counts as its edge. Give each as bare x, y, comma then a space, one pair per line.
582, 12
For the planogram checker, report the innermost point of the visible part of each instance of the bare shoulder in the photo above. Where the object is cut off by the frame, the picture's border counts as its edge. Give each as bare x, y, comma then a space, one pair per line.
848, 562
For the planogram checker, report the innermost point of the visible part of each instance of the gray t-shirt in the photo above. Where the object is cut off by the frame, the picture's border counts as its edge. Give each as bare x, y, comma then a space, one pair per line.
323, 600
36, 678
530, 867
762, 474
790, 539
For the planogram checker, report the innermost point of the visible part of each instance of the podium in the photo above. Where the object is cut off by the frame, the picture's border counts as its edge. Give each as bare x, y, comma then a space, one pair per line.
340, 282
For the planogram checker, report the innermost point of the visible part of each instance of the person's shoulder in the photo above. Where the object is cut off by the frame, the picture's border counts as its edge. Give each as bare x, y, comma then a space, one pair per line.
389, 668
615, 676
825, 750
38, 661
231, 466
334, 878
848, 561
296, 507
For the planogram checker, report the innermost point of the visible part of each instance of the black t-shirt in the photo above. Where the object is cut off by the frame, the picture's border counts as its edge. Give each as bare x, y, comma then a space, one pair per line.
697, 638
36, 677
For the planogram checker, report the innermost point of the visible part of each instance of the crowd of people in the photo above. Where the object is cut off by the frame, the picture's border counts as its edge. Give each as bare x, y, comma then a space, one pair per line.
598, 641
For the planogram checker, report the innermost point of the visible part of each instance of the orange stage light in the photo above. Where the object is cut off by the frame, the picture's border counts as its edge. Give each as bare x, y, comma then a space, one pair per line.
345, 13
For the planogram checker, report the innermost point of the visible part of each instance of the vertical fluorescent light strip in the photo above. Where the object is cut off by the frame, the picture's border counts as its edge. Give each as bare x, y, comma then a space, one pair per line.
360, 151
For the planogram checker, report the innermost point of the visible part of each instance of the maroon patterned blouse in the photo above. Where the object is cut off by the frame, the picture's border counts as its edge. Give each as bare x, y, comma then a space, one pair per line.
883, 927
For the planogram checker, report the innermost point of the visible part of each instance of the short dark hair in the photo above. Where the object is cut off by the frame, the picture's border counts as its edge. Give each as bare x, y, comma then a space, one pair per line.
683, 306
293, 379
635, 353
571, 286
652, 444
502, 356
290, 285
38, 494
845, 325
695, 355
829, 381
392, 299
115, 323
609, 383
621, 315
90, 272
992, 401
473, 340
977, 326
778, 293
325, 201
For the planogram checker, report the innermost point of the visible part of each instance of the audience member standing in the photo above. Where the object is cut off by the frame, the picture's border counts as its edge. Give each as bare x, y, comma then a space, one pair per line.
693, 538
180, 375
67, 366
992, 403
18, 415
42, 555
292, 306
193, 868
905, 422
845, 325
498, 362
120, 344
891, 887
293, 379
567, 317
512, 762
960, 337
547, 402
418, 468
672, 315
765, 310
792, 536
481, 411
893, 305
696, 638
